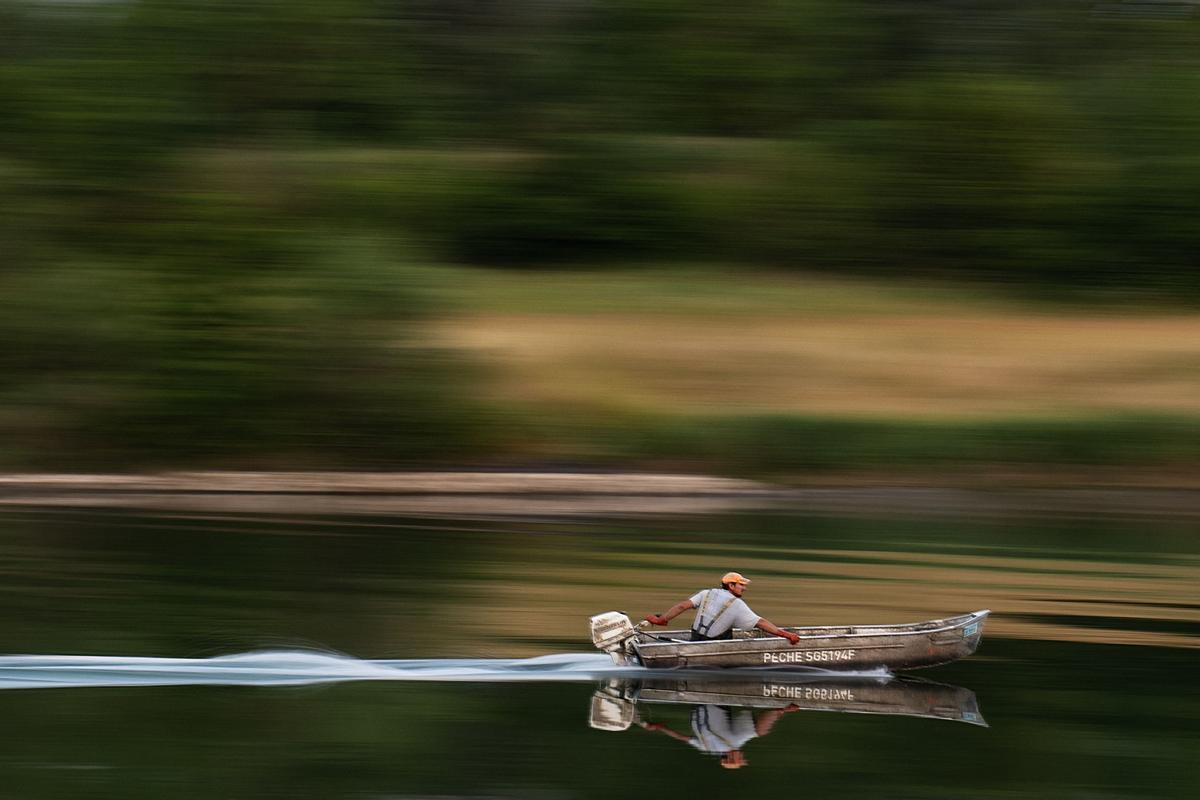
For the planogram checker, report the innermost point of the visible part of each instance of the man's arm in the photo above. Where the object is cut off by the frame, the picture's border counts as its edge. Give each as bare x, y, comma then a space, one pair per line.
767, 719
672, 612
660, 728
765, 624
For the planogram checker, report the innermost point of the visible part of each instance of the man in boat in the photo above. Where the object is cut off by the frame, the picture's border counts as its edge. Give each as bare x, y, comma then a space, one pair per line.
723, 732
720, 611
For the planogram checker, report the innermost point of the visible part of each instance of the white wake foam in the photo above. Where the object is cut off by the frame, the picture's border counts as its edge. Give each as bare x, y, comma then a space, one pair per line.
298, 667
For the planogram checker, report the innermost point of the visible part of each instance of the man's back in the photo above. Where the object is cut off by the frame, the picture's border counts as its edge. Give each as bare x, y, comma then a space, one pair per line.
718, 611
719, 730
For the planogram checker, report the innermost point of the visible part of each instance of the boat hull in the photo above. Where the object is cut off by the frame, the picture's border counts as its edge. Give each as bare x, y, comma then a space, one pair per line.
845, 648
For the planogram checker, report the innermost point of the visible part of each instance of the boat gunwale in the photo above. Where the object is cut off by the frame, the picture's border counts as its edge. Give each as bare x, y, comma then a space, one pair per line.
960, 621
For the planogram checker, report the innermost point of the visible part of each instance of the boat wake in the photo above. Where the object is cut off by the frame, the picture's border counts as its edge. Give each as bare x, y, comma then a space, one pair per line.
301, 667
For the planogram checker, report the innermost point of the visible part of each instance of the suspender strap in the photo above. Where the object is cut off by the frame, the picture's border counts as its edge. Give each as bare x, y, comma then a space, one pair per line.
701, 627
702, 725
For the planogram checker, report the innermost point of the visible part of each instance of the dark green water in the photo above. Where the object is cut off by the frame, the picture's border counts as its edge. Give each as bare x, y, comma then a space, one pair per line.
1092, 717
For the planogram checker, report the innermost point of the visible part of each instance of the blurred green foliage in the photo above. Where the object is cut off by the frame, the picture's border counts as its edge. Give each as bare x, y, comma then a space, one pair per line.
1053, 144
782, 445
210, 208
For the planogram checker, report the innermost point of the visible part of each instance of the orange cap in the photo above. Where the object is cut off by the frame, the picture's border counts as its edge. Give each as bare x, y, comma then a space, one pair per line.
734, 577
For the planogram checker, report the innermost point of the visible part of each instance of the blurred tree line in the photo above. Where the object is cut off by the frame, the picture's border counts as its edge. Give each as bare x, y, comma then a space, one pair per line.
212, 208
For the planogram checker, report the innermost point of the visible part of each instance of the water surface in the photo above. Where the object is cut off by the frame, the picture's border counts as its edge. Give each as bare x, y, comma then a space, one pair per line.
250, 656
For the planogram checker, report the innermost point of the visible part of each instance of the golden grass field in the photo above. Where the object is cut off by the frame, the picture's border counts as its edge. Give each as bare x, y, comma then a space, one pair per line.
715, 342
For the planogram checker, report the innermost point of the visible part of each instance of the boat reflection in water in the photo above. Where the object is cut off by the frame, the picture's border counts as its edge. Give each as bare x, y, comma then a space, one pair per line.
729, 713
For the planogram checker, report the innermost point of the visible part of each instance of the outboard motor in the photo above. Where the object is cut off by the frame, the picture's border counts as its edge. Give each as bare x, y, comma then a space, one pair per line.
610, 631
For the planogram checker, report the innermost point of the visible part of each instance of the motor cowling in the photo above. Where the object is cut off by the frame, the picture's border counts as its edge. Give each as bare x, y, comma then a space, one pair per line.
610, 631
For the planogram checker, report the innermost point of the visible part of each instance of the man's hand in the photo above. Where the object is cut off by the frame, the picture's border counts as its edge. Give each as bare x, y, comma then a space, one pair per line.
656, 619
793, 638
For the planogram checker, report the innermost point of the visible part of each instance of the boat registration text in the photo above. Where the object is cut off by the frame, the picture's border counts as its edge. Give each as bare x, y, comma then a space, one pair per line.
807, 656
806, 692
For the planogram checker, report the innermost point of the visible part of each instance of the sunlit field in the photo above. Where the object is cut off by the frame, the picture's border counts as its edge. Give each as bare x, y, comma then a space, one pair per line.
723, 343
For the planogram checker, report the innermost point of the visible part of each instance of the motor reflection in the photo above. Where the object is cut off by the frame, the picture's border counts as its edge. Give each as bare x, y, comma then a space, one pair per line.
726, 714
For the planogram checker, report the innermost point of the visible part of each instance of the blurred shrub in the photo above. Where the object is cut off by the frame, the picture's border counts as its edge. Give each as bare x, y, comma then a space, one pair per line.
775, 445
227, 337
577, 201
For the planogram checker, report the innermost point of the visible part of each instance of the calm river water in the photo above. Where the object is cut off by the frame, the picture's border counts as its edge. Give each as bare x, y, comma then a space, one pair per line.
386, 658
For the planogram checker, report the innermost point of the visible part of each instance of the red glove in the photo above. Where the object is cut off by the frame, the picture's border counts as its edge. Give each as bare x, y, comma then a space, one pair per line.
655, 619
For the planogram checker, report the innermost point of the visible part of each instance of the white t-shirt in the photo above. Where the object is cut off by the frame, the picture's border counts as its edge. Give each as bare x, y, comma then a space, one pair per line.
719, 730
737, 615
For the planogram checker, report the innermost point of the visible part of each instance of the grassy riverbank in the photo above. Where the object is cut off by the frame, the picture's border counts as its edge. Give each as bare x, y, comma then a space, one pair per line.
777, 375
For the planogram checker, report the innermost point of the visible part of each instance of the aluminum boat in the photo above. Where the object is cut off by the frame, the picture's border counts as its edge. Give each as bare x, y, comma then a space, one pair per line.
838, 648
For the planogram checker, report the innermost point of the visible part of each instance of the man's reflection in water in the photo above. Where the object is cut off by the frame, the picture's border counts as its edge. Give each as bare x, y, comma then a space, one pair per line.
723, 732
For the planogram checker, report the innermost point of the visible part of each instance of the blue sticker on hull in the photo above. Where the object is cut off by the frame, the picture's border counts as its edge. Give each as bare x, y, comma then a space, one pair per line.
971, 629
